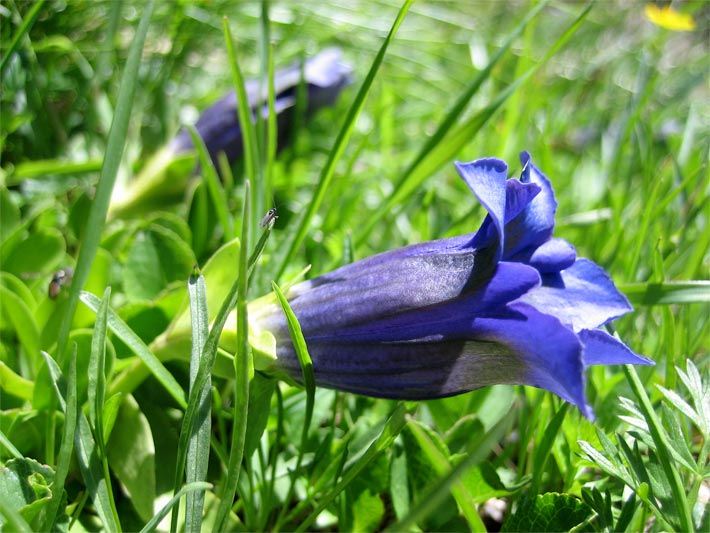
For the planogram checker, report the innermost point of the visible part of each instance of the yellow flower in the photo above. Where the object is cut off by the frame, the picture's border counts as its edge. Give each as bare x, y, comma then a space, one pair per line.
668, 18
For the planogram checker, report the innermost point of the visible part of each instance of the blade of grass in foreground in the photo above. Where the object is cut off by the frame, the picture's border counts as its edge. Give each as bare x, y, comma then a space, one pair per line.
452, 140
85, 448
309, 380
242, 366
449, 121
112, 159
207, 359
9, 446
188, 490
340, 143
67, 446
252, 162
97, 390
660, 438
22, 30
198, 448
138, 347
13, 519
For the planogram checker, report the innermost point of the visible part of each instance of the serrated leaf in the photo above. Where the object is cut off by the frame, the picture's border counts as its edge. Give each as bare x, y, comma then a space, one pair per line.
25, 486
548, 512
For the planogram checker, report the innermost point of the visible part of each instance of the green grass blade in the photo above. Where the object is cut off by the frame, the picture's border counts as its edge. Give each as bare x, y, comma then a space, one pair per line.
21, 31
138, 347
543, 448
52, 167
9, 446
85, 448
442, 466
252, 164
242, 367
450, 119
476, 451
341, 142
67, 446
392, 428
188, 489
198, 448
446, 148
660, 438
112, 159
668, 292
209, 354
96, 393
309, 380
216, 191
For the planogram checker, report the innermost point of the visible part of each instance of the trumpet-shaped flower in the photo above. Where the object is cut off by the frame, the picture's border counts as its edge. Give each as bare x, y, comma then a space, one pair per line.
507, 304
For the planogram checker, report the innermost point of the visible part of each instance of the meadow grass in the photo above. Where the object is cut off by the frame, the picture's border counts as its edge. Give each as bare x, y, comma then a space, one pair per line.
102, 427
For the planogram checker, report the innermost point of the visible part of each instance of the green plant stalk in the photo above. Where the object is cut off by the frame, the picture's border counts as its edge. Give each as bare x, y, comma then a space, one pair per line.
252, 162
242, 368
189, 488
96, 394
27, 23
214, 187
112, 159
198, 451
662, 447
341, 142
66, 448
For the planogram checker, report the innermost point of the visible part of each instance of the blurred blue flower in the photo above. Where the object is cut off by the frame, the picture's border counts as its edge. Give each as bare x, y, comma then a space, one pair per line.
325, 75
508, 304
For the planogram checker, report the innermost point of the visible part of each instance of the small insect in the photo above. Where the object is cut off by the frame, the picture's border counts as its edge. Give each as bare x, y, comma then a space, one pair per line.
61, 278
269, 219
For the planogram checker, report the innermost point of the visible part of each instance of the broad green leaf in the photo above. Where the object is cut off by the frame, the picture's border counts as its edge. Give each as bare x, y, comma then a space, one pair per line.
131, 455
260, 392
40, 253
14, 384
26, 487
548, 512
156, 258
15, 312
9, 214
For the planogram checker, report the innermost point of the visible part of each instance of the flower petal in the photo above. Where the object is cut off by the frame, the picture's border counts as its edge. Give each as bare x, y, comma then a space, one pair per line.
550, 257
601, 348
551, 352
486, 178
448, 320
391, 283
582, 296
534, 225
512, 348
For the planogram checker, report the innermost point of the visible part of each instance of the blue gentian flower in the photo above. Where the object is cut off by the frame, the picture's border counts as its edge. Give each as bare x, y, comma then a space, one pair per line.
508, 304
325, 75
